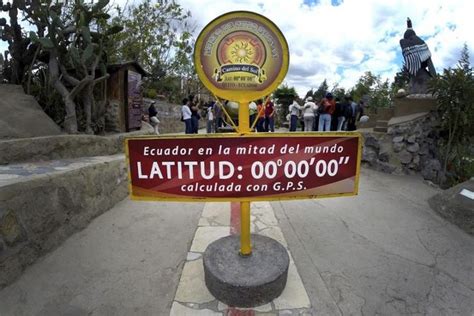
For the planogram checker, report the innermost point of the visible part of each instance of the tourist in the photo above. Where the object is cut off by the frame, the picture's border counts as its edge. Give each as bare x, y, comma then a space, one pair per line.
218, 116
260, 115
153, 119
186, 116
210, 118
294, 110
339, 117
326, 109
269, 116
195, 117
308, 114
252, 113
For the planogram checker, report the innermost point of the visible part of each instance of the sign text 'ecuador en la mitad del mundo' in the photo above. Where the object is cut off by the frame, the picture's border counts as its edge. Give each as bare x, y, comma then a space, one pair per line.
253, 167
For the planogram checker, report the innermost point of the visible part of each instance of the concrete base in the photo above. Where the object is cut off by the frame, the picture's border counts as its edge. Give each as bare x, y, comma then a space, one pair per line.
245, 281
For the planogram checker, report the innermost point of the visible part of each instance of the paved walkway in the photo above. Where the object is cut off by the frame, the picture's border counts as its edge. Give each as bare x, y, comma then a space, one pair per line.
219, 220
382, 252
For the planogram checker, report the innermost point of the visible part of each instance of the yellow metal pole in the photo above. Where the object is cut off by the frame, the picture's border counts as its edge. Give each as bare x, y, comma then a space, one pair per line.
245, 242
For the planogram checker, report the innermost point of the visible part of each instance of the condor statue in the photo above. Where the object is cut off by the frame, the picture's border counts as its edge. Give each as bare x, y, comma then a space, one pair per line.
417, 60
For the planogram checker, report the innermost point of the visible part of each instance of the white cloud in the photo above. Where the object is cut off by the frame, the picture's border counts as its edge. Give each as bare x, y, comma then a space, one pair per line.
339, 43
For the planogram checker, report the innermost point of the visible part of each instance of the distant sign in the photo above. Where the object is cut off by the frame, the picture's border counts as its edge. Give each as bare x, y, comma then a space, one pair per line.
253, 167
241, 51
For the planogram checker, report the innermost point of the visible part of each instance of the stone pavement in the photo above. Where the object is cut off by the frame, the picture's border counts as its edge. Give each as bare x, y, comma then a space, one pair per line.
219, 220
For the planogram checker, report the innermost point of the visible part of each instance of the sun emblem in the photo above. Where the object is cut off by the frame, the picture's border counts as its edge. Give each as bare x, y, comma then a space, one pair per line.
242, 53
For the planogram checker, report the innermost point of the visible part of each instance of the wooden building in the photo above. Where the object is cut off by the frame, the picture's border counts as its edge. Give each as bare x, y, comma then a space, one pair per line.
124, 97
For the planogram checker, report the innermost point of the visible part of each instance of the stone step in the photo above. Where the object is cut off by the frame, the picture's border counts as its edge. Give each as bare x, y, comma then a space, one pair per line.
380, 129
43, 203
381, 123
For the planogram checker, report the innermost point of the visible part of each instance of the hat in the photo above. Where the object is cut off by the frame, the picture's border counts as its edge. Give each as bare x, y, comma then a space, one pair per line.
309, 99
329, 95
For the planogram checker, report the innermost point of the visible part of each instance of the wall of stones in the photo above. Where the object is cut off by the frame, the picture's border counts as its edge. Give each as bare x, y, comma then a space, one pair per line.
38, 215
406, 148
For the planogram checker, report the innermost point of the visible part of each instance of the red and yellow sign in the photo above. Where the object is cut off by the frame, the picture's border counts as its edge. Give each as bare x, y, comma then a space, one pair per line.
250, 167
241, 52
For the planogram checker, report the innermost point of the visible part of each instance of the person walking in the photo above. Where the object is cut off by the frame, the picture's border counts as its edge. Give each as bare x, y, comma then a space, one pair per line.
308, 114
294, 114
326, 109
152, 115
186, 116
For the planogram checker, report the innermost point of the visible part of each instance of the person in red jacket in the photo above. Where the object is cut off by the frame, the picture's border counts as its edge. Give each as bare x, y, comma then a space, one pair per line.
326, 108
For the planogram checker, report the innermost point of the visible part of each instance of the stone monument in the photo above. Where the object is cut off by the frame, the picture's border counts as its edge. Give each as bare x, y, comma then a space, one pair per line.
417, 60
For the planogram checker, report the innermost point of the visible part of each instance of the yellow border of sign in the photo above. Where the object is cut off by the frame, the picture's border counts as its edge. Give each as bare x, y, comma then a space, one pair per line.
237, 94
260, 198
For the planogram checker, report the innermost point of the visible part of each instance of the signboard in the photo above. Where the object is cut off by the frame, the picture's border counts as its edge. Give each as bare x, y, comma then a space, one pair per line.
239, 52
134, 100
240, 168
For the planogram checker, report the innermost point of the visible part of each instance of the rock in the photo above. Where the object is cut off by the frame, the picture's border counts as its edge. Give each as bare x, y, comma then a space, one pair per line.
2, 245
384, 156
411, 139
416, 159
430, 169
369, 154
401, 93
415, 164
455, 207
397, 147
398, 139
11, 230
371, 141
21, 116
414, 148
424, 149
405, 157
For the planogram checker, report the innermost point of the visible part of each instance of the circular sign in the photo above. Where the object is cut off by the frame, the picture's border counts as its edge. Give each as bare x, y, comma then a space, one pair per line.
241, 56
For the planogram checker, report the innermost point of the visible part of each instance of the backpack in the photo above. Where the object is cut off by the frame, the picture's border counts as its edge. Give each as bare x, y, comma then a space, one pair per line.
347, 112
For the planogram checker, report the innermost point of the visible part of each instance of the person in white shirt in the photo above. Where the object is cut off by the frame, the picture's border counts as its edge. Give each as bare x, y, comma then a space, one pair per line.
308, 114
210, 118
294, 113
186, 116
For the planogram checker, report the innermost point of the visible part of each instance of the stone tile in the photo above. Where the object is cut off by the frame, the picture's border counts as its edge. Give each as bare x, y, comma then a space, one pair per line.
205, 235
294, 295
264, 212
260, 225
191, 287
178, 309
217, 213
193, 256
274, 232
203, 222
263, 308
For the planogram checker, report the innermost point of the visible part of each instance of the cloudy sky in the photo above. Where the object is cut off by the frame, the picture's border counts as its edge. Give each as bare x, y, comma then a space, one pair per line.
341, 39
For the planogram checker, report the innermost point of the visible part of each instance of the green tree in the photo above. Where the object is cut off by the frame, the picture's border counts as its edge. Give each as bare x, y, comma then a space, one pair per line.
400, 81
158, 35
454, 91
321, 91
21, 53
75, 34
371, 88
284, 96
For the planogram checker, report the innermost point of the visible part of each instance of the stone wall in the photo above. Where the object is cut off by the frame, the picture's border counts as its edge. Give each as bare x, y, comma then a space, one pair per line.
38, 215
410, 147
64, 146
